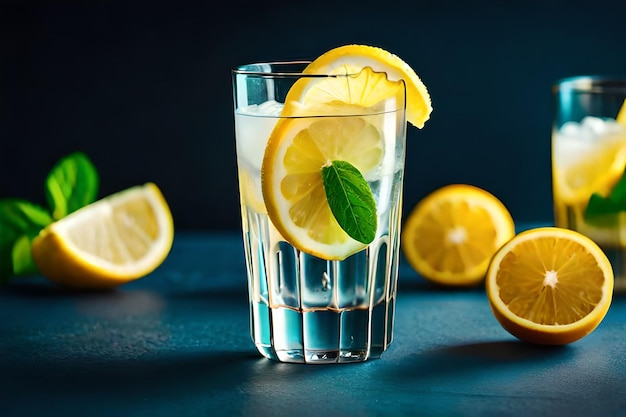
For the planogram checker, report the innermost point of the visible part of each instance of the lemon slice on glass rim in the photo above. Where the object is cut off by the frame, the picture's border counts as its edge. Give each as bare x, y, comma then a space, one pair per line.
298, 148
351, 59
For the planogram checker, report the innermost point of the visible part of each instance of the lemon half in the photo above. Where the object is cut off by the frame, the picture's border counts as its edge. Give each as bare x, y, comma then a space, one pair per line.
451, 234
550, 285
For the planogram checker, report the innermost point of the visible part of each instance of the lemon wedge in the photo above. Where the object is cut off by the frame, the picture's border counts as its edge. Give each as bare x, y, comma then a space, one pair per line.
112, 241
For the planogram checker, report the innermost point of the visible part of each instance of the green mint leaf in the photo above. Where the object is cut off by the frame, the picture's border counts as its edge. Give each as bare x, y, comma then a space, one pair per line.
18, 214
351, 201
602, 211
22, 257
18, 218
72, 183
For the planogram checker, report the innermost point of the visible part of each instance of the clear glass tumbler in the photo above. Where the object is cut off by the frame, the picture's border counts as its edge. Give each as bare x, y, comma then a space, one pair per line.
588, 162
304, 308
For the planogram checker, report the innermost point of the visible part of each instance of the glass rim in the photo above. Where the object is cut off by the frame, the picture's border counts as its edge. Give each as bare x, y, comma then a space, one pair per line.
246, 70
591, 84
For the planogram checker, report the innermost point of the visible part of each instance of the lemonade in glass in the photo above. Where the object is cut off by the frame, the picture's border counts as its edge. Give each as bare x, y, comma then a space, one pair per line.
588, 163
320, 154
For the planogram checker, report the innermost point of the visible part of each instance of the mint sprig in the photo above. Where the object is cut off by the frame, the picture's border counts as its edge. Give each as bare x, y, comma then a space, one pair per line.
71, 184
20, 222
351, 201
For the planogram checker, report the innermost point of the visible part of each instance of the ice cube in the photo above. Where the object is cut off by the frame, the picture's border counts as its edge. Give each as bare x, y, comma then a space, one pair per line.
270, 108
595, 127
570, 129
574, 142
590, 128
253, 132
570, 149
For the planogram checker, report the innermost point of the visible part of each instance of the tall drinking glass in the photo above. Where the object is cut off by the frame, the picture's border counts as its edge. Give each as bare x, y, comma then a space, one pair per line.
305, 308
588, 162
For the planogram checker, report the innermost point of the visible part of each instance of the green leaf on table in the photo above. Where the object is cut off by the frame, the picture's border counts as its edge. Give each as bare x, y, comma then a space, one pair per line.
72, 183
22, 257
20, 222
603, 210
351, 201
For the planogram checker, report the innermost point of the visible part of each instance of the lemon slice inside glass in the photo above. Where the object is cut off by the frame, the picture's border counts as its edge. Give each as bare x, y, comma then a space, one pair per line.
292, 184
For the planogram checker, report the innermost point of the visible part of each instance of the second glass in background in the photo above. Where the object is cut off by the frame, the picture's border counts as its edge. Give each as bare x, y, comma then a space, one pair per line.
588, 162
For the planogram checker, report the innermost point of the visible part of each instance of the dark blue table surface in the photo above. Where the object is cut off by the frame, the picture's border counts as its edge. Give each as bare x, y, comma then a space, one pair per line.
177, 343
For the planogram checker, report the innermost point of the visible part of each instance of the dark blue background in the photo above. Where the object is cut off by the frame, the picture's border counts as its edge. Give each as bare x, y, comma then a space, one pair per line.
144, 88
